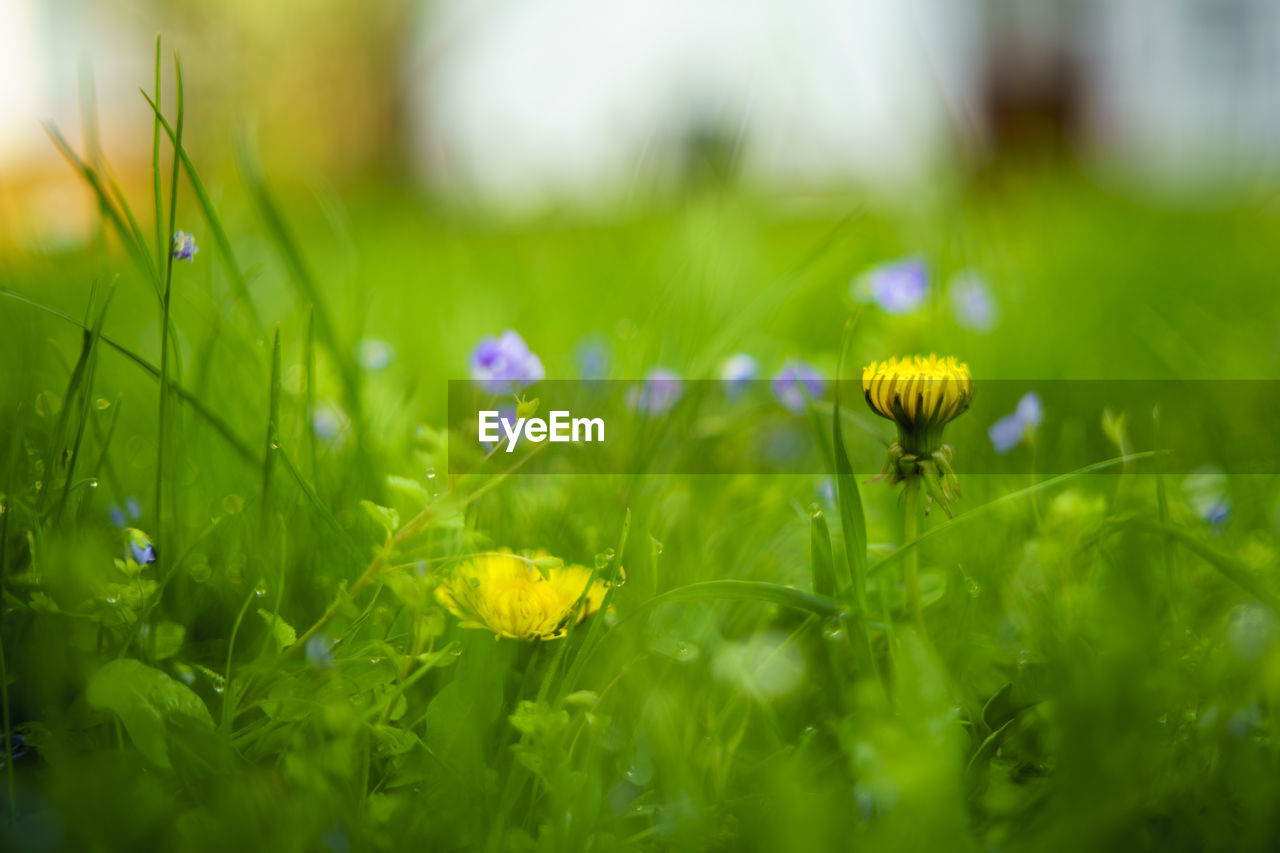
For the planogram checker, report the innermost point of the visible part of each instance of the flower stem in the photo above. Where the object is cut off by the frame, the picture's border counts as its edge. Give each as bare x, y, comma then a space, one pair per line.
911, 560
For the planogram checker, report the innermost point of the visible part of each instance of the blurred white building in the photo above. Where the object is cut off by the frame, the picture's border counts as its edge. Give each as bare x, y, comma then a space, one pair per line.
517, 99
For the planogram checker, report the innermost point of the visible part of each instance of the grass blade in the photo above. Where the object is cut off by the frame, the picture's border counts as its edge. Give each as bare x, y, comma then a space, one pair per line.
596, 626
1236, 571
219, 425
273, 419
978, 512
166, 329
89, 358
301, 276
127, 234
824, 573
226, 255
736, 590
852, 520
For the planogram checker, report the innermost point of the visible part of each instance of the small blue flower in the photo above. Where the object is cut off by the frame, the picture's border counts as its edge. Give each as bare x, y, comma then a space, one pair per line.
795, 384
592, 357
500, 365
738, 371
132, 508
184, 247
658, 394
1030, 410
898, 287
1010, 431
1250, 631
374, 354
826, 491
116, 515
1206, 493
971, 300
330, 422
319, 651
141, 551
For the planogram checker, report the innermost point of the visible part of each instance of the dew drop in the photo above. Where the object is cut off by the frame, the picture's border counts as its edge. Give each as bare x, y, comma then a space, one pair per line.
260, 590
973, 587
657, 546
431, 473
93, 483
815, 510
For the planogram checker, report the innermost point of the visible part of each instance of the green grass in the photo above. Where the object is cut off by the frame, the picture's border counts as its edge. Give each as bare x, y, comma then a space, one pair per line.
1098, 667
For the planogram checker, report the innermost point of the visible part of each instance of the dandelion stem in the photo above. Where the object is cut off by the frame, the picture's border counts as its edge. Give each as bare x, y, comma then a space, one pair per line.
911, 562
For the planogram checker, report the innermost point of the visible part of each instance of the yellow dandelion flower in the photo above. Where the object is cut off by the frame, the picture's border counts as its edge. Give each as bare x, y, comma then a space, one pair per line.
920, 394
516, 597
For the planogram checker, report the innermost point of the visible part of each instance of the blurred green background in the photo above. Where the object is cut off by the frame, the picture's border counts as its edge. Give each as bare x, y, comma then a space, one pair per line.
1100, 659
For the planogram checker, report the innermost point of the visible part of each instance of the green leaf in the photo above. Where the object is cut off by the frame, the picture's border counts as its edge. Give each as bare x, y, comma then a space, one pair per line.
147, 701
538, 721
410, 488
389, 741
168, 640
386, 517
283, 632
824, 573
42, 603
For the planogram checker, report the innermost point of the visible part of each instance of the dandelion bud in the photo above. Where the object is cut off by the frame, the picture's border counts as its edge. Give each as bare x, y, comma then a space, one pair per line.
921, 395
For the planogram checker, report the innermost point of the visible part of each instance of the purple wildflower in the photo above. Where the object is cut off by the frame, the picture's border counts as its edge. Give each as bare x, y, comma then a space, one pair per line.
1206, 492
737, 371
795, 384
658, 393
319, 651
971, 300
898, 287
330, 422
1010, 431
141, 551
374, 354
500, 365
184, 247
592, 357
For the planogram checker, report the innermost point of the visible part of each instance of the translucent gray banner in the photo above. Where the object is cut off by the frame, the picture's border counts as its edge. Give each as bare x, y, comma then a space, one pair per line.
671, 426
